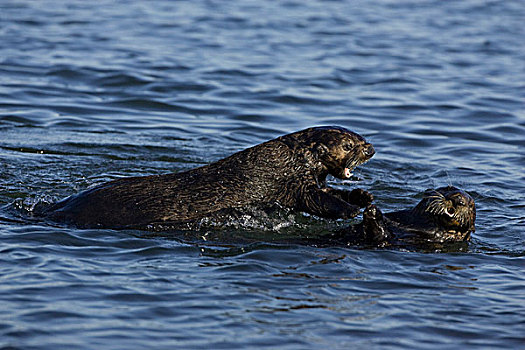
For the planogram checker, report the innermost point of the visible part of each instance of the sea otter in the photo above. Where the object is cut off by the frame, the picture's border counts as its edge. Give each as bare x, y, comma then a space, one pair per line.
289, 170
445, 214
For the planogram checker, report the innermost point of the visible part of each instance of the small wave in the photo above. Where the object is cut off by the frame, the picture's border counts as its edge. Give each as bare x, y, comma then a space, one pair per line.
124, 80
27, 118
28, 205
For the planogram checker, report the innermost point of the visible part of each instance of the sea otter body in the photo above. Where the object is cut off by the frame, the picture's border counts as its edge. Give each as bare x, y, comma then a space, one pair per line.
446, 214
289, 170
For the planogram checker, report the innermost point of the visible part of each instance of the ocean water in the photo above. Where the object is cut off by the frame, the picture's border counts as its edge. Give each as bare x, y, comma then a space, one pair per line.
93, 91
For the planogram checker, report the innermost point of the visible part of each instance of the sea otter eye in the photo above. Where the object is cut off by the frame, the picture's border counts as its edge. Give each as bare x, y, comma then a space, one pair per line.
459, 201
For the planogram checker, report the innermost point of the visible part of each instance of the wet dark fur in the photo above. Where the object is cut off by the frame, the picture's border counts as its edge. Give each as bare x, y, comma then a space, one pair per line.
290, 170
446, 214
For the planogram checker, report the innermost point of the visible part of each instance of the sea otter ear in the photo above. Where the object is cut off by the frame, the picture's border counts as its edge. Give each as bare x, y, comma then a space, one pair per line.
321, 149
429, 192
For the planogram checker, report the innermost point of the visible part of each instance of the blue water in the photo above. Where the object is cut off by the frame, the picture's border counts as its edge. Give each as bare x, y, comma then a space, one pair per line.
95, 90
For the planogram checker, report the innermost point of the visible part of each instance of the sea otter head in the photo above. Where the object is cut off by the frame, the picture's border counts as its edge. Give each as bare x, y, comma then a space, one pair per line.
452, 210
337, 149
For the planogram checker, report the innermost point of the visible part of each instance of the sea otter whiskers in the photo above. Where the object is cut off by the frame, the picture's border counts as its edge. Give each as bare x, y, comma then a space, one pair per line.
289, 170
446, 214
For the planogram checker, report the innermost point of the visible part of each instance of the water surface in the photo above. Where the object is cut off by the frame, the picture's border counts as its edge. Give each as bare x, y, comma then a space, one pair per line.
91, 92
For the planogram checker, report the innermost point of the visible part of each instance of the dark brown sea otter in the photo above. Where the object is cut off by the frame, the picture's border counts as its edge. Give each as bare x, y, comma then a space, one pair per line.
446, 214
289, 170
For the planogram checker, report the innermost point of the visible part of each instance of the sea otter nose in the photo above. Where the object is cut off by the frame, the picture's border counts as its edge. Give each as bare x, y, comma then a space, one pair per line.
369, 150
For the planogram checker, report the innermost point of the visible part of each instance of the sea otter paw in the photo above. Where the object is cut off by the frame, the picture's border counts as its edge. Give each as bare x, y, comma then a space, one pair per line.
360, 197
374, 228
352, 211
372, 213
342, 211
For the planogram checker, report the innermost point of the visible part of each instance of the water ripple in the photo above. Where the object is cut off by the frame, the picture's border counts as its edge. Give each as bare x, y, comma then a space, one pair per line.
93, 93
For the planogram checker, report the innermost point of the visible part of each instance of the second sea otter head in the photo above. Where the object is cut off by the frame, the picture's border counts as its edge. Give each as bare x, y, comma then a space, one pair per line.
452, 210
338, 150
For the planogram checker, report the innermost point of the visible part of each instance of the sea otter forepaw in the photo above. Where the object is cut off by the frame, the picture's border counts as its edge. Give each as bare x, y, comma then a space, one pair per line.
352, 211
374, 227
372, 213
361, 197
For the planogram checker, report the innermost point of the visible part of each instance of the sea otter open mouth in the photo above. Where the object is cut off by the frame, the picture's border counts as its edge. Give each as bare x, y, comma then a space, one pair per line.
455, 225
350, 165
357, 157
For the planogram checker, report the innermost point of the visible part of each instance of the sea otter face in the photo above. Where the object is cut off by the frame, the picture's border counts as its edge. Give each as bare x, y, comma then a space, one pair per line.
452, 210
340, 150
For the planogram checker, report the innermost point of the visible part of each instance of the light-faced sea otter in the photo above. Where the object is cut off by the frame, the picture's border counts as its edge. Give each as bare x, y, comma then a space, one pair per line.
289, 170
445, 214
